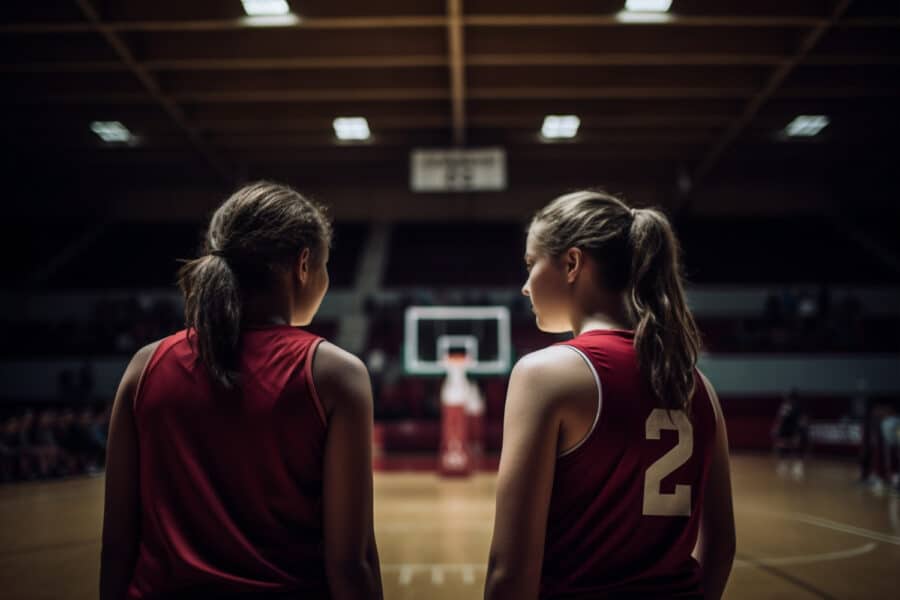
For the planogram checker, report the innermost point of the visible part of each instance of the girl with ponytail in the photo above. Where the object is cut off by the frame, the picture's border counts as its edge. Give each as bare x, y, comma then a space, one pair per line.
239, 455
614, 476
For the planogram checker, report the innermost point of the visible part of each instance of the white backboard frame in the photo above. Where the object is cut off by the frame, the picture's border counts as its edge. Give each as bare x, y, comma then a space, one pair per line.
416, 366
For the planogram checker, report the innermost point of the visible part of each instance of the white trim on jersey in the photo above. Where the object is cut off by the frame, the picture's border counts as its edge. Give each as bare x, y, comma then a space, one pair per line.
599, 402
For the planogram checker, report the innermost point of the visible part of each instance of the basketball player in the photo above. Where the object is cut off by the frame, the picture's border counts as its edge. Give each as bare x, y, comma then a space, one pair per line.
240, 448
614, 478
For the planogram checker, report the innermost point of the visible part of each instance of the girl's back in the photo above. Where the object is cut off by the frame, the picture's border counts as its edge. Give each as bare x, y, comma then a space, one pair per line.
231, 482
624, 508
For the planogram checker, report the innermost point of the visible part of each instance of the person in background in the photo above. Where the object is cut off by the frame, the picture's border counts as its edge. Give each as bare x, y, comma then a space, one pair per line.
790, 435
890, 438
9, 448
43, 447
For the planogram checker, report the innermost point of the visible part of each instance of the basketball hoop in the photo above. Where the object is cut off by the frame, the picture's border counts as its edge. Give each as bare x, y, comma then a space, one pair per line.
457, 360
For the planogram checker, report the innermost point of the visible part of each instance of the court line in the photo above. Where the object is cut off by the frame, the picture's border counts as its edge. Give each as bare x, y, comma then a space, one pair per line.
837, 526
468, 575
437, 571
789, 578
833, 525
431, 527
428, 566
768, 566
808, 558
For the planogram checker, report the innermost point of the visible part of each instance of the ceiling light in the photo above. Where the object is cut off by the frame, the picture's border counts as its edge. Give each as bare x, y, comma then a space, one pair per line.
645, 11
648, 5
560, 126
288, 20
260, 8
112, 132
627, 16
351, 128
806, 125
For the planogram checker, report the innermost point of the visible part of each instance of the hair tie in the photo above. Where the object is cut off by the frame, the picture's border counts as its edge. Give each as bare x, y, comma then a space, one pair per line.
217, 252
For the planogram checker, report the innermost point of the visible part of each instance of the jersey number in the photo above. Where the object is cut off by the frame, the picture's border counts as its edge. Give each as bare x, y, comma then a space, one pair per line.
656, 503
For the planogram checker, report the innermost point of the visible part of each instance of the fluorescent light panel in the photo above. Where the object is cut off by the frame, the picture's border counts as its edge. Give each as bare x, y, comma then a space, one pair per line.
112, 131
560, 126
632, 17
266, 8
351, 128
648, 5
287, 20
806, 125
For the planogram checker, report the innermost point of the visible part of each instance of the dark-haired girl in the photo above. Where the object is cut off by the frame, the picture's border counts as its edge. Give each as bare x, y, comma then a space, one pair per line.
239, 456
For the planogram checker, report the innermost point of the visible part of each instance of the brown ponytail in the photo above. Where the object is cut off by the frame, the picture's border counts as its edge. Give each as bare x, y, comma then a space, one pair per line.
638, 254
260, 229
665, 335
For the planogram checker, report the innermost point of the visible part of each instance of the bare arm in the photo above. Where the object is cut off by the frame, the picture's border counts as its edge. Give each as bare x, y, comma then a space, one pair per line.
121, 511
531, 430
717, 541
351, 555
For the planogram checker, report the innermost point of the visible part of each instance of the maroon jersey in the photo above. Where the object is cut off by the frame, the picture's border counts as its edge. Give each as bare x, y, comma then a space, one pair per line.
231, 483
626, 501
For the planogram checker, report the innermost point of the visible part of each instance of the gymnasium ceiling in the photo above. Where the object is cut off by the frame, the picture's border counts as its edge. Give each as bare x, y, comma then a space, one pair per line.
212, 99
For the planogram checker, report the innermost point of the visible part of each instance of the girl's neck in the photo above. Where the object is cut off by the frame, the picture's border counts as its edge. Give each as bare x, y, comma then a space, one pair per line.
599, 324
601, 319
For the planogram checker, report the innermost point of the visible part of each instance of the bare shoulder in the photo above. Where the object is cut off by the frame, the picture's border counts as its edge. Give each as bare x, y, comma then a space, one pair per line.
143, 355
542, 363
333, 362
139, 362
132, 376
552, 375
340, 376
713, 396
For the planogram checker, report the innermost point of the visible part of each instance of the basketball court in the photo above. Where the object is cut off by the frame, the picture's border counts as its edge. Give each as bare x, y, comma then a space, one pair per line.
822, 537
766, 131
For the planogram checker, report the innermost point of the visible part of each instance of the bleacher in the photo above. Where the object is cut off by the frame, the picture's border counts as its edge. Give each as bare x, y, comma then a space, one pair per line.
483, 256
129, 255
759, 250
440, 255
864, 334
346, 249
31, 243
145, 255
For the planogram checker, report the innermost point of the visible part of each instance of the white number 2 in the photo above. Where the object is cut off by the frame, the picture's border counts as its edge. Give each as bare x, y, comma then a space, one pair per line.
655, 502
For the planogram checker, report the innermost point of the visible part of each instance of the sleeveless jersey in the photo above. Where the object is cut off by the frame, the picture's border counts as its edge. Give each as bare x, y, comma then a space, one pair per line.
231, 483
626, 501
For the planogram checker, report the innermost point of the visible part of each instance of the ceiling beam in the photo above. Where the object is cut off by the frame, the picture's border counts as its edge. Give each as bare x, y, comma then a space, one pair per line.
458, 114
499, 121
456, 57
152, 86
434, 60
426, 21
768, 91
615, 20
321, 138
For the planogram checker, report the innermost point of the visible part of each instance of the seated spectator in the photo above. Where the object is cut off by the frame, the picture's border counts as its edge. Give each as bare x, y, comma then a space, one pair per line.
88, 442
43, 448
67, 441
9, 449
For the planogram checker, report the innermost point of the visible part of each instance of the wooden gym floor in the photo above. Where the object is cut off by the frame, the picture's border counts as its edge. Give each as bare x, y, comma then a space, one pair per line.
822, 536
